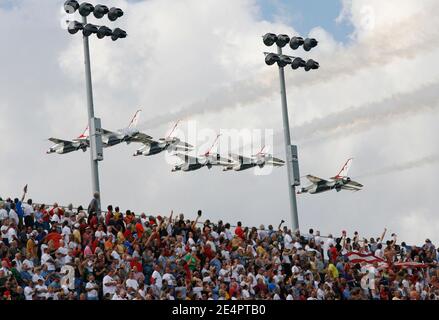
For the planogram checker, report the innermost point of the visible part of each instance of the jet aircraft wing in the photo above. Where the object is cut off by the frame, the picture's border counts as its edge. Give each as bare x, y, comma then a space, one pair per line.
58, 141
241, 159
141, 137
355, 184
314, 179
275, 162
350, 188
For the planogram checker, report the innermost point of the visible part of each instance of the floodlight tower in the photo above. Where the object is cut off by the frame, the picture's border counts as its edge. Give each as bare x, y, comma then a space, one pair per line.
88, 29
282, 61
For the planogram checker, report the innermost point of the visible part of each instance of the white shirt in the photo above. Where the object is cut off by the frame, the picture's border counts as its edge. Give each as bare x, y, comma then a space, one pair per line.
63, 251
99, 234
157, 279
46, 259
12, 234
66, 232
55, 218
132, 283
3, 214
28, 292
116, 256
379, 253
92, 293
27, 210
288, 242
5, 233
108, 289
19, 265
169, 278
29, 264
42, 287
13, 216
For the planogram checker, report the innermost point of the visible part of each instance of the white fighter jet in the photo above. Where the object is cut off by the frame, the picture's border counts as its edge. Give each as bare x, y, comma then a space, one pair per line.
238, 162
340, 182
67, 146
169, 143
208, 159
128, 134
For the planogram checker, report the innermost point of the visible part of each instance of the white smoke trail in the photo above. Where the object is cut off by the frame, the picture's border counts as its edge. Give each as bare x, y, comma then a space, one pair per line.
406, 39
358, 119
428, 160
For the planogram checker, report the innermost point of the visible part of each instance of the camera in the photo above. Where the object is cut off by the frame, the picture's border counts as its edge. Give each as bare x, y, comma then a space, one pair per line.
199, 213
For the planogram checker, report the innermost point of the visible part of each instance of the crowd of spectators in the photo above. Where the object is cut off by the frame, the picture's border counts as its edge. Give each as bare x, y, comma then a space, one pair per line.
55, 253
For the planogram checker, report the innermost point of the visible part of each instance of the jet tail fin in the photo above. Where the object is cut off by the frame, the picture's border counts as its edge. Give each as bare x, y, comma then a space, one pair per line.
345, 169
84, 134
135, 120
173, 129
213, 145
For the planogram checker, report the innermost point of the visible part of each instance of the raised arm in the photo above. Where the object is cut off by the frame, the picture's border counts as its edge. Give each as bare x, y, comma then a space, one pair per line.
280, 225
24, 193
170, 217
383, 235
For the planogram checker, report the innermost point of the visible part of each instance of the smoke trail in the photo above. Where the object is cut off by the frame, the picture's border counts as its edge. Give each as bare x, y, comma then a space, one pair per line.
407, 39
358, 119
429, 160
228, 96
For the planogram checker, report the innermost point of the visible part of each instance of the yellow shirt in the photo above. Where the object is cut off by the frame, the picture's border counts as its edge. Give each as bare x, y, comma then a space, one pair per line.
77, 235
333, 270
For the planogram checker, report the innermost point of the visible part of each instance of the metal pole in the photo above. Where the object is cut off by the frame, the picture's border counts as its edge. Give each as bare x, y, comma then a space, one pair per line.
90, 108
291, 186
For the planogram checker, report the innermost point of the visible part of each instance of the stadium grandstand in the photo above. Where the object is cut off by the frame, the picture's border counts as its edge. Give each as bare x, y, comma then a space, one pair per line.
67, 253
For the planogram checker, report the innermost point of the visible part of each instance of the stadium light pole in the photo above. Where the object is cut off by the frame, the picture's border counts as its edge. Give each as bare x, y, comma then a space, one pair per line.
88, 29
282, 61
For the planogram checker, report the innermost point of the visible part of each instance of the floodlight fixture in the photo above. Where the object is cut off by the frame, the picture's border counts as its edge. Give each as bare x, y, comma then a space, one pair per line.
100, 11
269, 39
298, 63
104, 32
74, 27
282, 40
118, 34
311, 65
85, 9
90, 29
284, 60
70, 6
296, 42
271, 59
114, 14
309, 43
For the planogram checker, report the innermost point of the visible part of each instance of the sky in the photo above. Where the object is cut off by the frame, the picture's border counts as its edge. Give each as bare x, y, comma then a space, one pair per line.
375, 98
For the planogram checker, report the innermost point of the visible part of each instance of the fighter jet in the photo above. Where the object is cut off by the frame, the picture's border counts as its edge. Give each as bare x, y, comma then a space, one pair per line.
208, 159
340, 182
66, 146
238, 162
169, 143
128, 134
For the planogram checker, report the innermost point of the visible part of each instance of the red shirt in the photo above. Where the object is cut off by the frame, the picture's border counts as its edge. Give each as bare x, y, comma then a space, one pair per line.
239, 232
139, 229
334, 253
136, 263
